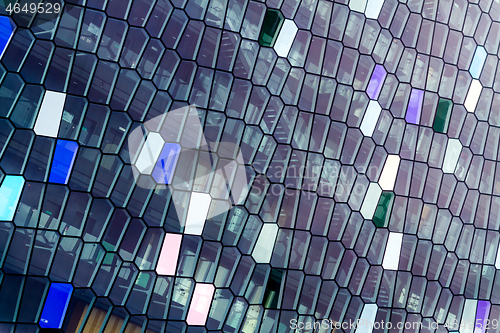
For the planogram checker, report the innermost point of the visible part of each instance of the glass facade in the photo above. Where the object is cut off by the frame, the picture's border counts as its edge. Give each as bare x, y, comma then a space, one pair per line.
249, 166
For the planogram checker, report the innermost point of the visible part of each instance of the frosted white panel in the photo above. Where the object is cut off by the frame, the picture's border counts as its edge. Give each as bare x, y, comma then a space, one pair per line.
49, 116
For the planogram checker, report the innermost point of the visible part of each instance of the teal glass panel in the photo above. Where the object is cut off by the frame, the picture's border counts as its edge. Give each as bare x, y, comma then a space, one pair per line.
443, 114
273, 287
10, 191
384, 208
271, 27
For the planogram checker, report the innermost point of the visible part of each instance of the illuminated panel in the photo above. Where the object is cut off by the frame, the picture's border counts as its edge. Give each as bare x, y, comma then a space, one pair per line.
477, 62
197, 213
376, 82
150, 152
468, 316
49, 116
452, 155
370, 119
414, 106
371, 200
285, 38
200, 304
373, 8
389, 173
56, 305
473, 96
167, 263
370, 8
6, 32
10, 191
392, 251
265, 243
366, 322
482, 315
64, 157
358, 6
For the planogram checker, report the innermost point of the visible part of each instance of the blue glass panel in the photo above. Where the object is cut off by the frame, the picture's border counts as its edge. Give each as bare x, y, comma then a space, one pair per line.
477, 62
6, 31
10, 191
56, 305
64, 157
165, 167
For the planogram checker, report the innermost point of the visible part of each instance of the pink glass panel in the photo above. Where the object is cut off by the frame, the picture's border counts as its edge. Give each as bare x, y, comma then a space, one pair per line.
200, 304
167, 263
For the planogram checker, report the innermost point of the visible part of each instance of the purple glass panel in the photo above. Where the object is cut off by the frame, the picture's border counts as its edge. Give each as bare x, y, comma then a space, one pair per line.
376, 82
165, 167
414, 106
482, 314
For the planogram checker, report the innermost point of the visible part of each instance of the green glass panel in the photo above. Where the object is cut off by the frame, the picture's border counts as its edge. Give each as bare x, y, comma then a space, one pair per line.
443, 114
108, 246
142, 279
384, 208
273, 289
108, 259
271, 27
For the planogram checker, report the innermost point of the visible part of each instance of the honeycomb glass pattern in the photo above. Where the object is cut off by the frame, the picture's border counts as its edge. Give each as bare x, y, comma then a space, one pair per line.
249, 166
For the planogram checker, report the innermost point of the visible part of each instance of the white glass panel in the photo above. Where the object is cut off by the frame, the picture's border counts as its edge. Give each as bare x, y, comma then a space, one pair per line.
149, 153
389, 173
392, 251
370, 119
197, 213
373, 8
371, 201
265, 244
468, 316
452, 155
285, 38
358, 5
367, 319
49, 116
473, 95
